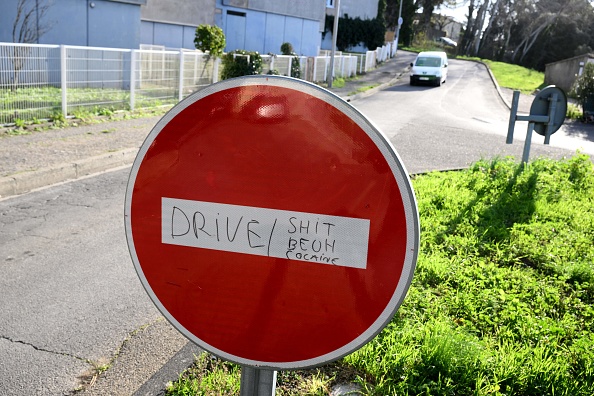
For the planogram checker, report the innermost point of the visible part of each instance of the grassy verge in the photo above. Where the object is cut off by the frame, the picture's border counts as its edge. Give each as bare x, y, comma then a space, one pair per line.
514, 76
501, 301
27, 106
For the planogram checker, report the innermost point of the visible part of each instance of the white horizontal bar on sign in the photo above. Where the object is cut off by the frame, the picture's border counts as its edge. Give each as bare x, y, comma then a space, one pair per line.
299, 236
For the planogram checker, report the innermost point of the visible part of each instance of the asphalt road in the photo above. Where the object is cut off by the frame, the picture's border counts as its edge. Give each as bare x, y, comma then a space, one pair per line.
70, 300
70, 296
452, 126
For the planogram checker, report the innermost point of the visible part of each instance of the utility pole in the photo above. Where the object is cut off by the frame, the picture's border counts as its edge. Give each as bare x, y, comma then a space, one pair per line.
399, 23
334, 35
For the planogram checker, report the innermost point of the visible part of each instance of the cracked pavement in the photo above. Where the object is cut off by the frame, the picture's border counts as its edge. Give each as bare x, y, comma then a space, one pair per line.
70, 299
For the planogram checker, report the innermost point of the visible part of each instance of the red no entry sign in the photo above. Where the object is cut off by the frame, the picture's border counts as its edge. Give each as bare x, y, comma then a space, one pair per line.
271, 223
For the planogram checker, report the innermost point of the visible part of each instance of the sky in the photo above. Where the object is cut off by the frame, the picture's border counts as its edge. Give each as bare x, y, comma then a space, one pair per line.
459, 13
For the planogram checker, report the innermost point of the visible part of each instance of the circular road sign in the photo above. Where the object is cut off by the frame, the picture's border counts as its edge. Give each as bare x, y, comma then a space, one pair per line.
541, 104
271, 223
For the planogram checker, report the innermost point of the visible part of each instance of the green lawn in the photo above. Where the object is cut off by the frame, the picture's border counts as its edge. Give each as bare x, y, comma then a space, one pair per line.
32, 104
501, 301
516, 77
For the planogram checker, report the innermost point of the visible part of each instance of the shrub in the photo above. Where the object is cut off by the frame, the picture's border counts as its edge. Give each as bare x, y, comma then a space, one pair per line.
241, 63
583, 87
287, 49
210, 39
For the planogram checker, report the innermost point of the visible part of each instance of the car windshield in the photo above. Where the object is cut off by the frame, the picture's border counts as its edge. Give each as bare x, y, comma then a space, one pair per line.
428, 61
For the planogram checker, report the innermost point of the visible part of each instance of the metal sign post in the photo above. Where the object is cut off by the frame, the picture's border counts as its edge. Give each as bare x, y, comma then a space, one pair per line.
257, 382
547, 114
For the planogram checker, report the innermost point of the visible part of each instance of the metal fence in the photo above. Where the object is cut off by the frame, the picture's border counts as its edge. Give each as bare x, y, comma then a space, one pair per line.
40, 82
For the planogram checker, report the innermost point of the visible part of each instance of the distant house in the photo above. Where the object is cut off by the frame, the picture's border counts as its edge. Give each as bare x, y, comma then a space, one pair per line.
448, 27
563, 73
98, 23
441, 26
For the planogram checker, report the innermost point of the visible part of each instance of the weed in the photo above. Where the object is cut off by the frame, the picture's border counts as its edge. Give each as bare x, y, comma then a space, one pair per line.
364, 89
208, 376
339, 82
57, 117
574, 112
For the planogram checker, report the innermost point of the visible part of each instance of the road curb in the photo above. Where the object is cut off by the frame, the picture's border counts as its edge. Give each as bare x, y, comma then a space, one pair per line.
24, 182
374, 90
495, 83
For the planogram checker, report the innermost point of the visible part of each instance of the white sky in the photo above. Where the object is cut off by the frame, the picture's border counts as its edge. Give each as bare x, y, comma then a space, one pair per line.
459, 13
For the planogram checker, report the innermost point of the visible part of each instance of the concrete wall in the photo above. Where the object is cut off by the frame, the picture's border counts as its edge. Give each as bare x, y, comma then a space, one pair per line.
564, 73
364, 9
189, 13
100, 23
306, 9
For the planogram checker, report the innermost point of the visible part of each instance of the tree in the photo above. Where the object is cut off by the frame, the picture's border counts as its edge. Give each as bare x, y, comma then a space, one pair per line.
210, 39
408, 12
470, 40
28, 27
429, 7
29, 24
531, 33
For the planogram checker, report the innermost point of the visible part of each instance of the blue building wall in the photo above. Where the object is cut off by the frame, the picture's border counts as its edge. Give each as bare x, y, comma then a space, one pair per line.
98, 23
265, 32
168, 35
117, 23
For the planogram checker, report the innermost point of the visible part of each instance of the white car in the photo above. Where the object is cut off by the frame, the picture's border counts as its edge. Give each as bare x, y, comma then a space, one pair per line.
430, 67
448, 41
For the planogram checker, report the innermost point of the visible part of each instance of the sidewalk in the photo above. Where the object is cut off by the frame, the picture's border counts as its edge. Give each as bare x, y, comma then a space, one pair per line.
38, 159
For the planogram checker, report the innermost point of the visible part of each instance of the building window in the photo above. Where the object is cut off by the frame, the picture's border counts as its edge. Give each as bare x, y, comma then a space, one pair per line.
330, 3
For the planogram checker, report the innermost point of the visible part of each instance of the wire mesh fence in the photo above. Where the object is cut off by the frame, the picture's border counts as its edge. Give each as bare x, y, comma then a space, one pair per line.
96, 78
29, 82
40, 82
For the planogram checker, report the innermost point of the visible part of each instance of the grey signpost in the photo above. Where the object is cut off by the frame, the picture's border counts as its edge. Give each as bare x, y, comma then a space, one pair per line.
547, 114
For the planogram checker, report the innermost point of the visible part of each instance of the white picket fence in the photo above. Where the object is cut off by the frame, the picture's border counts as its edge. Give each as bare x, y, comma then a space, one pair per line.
40, 82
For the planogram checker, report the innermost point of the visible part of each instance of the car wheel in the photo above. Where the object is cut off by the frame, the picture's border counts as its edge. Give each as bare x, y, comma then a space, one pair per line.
438, 82
412, 82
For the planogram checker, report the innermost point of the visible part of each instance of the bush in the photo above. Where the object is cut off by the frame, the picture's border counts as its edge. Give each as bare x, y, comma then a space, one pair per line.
287, 49
583, 87
210, 39
241, 63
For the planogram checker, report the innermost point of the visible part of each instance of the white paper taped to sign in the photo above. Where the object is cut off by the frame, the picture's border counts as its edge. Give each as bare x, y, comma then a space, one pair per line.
300, 236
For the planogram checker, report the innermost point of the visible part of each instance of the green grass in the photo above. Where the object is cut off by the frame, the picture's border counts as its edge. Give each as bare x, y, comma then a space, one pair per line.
28, 105
516, 77
501, 300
